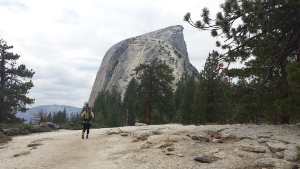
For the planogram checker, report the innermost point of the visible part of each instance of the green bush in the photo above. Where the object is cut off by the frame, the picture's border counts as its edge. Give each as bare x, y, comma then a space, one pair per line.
4, 138
298, 155
95, 126
6, 126
76, 126
33, 129
12, 132
22, 129
71, 126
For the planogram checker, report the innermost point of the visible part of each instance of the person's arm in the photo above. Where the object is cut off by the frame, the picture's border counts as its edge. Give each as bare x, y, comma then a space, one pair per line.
82, 114
92, 114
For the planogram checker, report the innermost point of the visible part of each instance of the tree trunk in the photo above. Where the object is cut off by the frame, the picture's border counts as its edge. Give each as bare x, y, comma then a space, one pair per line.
284, 119
149, 92
298, 54
149, 106
2, 83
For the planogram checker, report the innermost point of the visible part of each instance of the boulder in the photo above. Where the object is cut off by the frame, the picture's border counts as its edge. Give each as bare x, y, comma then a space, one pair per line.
204, 159
49, 125
276, 146
256, 149
140, 124
143, 135
217, 141
114, 131
199, 135
273, 163
22, 153
291, 154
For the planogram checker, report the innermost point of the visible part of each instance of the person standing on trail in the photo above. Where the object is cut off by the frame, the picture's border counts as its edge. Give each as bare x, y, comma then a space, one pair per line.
87, 117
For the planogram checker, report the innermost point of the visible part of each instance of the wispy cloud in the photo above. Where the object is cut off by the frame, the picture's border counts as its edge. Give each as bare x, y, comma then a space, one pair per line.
68, 16
64, 41
13, 5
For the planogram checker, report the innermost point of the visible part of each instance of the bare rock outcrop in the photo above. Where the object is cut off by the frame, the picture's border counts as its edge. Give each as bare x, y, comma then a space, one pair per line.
117, 66
223, 144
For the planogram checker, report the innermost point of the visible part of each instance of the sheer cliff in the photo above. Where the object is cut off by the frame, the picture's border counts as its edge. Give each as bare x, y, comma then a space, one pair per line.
117, 66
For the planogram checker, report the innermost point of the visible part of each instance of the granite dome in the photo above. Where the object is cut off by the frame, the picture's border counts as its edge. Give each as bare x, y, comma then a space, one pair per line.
117, 66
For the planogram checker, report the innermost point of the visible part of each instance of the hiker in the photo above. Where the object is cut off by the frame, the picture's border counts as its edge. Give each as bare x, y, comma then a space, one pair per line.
87, 121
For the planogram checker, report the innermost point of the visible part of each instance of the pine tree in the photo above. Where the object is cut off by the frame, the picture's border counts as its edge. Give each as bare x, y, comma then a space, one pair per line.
107, 109
264, 35
199, 102
85, 106
178, 98
155, 79
39, 117
115, 114
64, 116
130, 102
49, 117
100, 109
187, 102
13, 84
56, 118
211, 90
293, 76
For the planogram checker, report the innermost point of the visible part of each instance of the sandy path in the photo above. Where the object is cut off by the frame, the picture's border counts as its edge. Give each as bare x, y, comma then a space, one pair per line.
65, 149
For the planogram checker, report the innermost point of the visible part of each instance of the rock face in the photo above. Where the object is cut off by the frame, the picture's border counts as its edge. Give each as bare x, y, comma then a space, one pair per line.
279, 151
117, 66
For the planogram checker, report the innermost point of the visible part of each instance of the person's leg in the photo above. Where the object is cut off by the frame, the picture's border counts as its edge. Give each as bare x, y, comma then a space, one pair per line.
88, 130
84, 125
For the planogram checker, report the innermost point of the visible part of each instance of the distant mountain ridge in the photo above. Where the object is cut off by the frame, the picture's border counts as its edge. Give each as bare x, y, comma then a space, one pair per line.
47, 109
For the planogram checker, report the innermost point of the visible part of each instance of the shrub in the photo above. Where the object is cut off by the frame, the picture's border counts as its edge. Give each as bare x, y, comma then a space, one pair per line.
12, 132
71, 126
4, 138
22, 129
298, 155
33, 129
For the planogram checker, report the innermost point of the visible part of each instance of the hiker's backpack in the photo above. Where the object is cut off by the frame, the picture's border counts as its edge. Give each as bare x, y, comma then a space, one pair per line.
87, 116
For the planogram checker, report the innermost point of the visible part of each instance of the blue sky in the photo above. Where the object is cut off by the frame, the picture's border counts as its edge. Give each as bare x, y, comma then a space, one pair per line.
64, 41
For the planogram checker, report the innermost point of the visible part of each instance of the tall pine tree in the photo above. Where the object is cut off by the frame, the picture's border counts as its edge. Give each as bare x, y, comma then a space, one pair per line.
210, 98
264, 35
187, 102
155, 79
130, 102
14, 85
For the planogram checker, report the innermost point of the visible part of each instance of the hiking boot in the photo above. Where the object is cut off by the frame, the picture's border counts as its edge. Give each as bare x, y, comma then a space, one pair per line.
82, 136
87, 136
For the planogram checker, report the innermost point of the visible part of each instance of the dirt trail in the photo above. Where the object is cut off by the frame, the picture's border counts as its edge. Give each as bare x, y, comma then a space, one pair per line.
65, 149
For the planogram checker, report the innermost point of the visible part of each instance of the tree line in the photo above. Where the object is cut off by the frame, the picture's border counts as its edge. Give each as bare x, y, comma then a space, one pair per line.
55, 117
213, 98
264, 35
